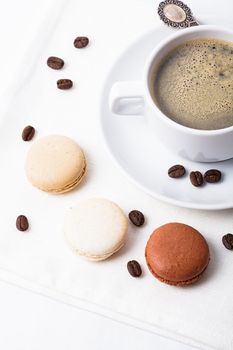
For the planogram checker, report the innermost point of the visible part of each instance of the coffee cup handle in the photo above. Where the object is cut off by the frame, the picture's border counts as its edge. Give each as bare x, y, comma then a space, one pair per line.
127, 98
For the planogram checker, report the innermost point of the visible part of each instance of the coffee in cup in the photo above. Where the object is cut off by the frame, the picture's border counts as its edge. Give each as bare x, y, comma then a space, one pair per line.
193, 84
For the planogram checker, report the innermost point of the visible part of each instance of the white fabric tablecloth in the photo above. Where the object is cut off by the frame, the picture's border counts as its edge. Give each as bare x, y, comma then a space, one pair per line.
40, 260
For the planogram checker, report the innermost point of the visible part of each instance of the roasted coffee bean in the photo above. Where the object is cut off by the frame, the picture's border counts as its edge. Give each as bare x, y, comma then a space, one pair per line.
28, 133
136, 217
55, 62
176, 171
134, 268
212, 176
227, 240
64, 84
80, 42
22, 223
196, 178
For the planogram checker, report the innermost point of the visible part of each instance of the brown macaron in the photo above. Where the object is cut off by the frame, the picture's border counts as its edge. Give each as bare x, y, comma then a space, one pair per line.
177, 254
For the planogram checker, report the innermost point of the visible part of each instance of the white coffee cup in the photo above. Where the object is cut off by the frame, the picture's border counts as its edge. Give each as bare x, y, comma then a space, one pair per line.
194, 144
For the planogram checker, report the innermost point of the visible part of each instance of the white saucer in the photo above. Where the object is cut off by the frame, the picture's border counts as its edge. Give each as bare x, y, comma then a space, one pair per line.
141, 155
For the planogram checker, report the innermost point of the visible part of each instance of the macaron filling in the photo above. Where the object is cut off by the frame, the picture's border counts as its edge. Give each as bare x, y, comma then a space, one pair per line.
178, 283
71, 185
93, 257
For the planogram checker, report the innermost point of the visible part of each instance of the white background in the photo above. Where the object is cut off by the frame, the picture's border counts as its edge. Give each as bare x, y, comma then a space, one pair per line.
30, 321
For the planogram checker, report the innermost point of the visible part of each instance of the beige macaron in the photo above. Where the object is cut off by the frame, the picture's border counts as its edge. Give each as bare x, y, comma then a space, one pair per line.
95, 228
55, 164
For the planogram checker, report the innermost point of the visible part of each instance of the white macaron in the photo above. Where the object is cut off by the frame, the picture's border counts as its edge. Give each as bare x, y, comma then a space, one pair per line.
95, 228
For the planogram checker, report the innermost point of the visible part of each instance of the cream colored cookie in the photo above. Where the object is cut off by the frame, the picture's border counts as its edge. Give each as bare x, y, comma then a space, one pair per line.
55, 164
95, 228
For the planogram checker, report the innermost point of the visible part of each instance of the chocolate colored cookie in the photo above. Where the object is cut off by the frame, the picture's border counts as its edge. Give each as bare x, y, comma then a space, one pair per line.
177, 254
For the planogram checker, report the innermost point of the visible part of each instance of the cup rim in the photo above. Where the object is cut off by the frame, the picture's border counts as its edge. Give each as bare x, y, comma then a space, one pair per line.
158, 48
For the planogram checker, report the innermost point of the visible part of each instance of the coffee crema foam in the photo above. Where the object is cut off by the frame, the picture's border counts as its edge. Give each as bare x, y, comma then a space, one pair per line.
193, 85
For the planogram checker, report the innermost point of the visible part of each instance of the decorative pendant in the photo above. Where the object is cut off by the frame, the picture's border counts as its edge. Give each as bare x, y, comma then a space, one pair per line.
176, 14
